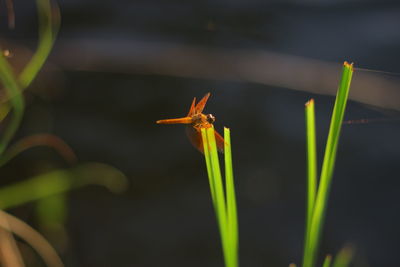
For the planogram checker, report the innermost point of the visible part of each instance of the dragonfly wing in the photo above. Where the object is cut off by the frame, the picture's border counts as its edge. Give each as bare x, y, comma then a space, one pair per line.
192, 108
202, 103
197, 141
195, 138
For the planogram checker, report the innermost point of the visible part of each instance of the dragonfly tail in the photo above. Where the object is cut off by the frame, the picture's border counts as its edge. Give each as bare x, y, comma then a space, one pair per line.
184, 120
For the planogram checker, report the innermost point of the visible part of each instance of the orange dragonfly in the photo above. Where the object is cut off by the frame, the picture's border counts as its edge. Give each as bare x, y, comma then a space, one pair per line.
195, 121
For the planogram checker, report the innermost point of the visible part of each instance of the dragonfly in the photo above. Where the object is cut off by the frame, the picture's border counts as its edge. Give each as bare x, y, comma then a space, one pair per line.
195, 121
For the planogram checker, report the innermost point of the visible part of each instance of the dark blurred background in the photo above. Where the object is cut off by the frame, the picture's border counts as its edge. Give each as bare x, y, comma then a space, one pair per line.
118, 66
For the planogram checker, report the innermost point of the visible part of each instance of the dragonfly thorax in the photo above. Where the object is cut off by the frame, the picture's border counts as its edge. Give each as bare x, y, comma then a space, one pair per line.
201, 119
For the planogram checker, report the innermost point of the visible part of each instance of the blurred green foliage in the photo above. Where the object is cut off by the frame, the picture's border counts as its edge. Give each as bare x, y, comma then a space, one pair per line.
47, 189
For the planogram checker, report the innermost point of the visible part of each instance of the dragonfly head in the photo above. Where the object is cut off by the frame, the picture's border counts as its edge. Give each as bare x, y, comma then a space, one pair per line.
210, 118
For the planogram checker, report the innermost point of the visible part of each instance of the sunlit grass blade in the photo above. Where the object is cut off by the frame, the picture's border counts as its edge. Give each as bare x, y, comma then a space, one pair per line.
216, 186
210, 172
311, 168
311, 157
224, 200
217, 179
319, 207
230, 196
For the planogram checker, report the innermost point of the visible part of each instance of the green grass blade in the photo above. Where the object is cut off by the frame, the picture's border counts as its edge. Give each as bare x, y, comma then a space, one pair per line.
311, 169
61, 181
51, 212
224, 203
9, 81
231, 199
327, 261
216, 177
328, 167
210, 172
311, 157
220, 202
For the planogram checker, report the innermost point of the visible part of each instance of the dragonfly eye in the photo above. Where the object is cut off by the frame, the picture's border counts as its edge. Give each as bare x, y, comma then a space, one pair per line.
210, 118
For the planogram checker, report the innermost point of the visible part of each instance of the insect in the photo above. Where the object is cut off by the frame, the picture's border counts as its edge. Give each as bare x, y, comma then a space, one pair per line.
195, 121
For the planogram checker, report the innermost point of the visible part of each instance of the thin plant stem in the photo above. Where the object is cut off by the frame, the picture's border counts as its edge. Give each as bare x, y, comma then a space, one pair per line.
311, 168
314, 229
224, 200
